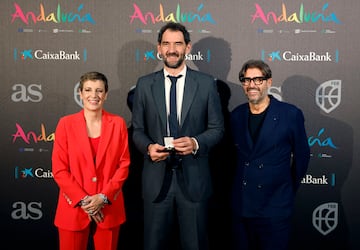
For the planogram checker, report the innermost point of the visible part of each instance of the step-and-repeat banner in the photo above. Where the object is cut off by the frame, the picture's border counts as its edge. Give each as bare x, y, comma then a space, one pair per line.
311, 46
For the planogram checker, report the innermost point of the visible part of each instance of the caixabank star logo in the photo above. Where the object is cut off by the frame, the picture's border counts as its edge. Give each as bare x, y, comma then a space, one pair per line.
30, 172
300, 56
142, 55
49, 55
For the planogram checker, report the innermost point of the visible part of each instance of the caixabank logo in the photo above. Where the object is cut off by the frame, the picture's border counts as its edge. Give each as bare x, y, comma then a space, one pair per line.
30, 172
152, 55
300, 56
320, 180
49, 55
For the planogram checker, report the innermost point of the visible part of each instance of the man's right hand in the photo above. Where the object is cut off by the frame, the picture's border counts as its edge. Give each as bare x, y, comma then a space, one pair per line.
157, 152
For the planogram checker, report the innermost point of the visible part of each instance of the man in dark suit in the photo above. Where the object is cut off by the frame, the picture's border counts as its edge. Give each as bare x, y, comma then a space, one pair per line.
176, 175
272, 158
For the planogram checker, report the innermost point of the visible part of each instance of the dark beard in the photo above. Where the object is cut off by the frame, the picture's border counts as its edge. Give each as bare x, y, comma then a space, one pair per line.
177, 64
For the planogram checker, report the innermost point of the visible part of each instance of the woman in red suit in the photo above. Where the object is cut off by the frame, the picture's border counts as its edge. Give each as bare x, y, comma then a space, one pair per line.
90, 163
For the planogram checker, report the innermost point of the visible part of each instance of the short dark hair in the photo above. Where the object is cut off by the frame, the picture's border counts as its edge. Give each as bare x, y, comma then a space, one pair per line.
258, 64
174, 27
92, 76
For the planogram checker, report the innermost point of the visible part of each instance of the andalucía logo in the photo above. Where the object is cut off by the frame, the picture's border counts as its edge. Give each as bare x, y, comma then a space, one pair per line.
46, 14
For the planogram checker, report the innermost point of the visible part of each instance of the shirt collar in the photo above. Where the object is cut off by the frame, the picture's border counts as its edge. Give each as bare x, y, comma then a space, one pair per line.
182, 72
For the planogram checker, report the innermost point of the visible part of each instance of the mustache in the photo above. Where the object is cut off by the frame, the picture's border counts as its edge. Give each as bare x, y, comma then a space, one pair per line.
172, 54
252, 88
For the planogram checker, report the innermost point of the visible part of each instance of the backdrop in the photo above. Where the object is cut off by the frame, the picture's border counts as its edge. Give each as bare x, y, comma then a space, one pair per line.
311, 46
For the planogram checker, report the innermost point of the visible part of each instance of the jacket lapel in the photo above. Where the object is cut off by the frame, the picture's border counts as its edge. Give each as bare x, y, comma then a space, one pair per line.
269, 127
248, 140
80, 127
190, 89
158, 93
107, 128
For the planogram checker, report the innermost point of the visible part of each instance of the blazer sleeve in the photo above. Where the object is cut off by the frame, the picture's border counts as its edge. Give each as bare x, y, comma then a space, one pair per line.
215, 120
301, 151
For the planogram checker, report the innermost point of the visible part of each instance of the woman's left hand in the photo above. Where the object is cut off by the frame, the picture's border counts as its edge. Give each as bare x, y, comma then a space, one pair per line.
93, 206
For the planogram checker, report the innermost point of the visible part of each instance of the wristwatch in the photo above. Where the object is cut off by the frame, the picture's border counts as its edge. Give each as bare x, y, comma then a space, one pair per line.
104, 198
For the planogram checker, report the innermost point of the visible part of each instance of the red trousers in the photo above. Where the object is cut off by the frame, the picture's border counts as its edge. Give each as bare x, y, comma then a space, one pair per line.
104, 239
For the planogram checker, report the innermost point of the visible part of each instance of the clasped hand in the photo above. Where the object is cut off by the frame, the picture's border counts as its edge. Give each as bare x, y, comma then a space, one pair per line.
92, 205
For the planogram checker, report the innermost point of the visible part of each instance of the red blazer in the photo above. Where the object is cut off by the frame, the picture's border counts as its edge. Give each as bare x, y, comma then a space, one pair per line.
77, 175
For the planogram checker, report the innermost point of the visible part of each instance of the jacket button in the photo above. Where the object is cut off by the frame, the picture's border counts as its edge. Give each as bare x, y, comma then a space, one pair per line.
244, 183
261, 166
259, 186
94, 179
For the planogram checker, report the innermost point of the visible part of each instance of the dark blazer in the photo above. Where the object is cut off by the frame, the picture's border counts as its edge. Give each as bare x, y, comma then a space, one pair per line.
201, 117
269, 172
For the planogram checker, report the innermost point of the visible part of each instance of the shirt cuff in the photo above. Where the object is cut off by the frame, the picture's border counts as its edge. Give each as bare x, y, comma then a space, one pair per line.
196, 148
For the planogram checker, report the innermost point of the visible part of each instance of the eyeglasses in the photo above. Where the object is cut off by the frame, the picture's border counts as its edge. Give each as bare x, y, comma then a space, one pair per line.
257, 80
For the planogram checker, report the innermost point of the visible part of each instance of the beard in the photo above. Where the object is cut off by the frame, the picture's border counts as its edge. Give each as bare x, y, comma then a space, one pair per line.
176, 64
